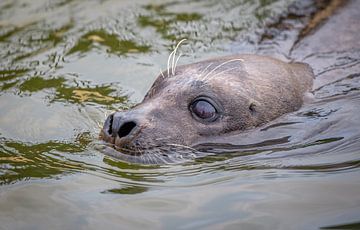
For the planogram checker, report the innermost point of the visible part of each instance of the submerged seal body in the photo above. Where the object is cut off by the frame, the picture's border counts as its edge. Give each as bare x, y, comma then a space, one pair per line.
208, 98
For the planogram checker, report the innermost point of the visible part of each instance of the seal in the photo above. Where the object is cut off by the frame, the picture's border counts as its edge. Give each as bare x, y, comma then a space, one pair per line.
209, 98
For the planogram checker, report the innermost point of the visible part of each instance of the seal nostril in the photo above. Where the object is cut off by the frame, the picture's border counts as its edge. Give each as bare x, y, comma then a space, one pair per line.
126, 128
252, 108
111, 119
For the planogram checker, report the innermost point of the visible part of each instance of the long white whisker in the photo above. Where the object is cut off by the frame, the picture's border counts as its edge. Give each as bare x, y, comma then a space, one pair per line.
217, 67
183, 146
204, 70
141, 157
173, 58
168, 63
148, 156
177, 62
162, 138
158, 158
154, 159
222, 72
162, 74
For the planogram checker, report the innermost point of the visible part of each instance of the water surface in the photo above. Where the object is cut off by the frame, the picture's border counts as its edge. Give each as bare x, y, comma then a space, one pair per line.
65, 65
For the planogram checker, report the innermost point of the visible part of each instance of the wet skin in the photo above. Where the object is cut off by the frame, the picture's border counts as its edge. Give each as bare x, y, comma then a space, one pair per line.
205, 99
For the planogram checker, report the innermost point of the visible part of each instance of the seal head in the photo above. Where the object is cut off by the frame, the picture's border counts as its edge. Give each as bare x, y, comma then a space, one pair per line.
209, 98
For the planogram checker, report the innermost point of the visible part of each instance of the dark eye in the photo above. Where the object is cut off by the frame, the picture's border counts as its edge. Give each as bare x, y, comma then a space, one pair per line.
204, 110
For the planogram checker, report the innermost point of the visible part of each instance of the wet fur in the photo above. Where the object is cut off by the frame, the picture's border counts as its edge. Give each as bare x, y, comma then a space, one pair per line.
251, 89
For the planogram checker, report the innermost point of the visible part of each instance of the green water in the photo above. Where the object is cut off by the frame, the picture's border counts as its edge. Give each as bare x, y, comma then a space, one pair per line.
65, 65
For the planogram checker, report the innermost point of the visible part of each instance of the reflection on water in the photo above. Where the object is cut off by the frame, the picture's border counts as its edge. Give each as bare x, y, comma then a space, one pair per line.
164, 21
111, 41
65, 65
79, 93
20, 161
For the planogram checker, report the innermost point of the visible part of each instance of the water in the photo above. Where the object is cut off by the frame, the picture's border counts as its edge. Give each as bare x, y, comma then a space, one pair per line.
65, 65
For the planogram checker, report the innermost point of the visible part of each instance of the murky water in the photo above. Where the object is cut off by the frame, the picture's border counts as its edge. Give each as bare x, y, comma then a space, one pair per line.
64, 65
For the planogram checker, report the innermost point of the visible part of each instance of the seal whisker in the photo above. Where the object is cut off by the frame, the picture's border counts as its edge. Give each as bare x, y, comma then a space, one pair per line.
168, 62
147, 156
153, 158
141, 158
204, 70
162, 138
159, 158
224, 71
183, 146
127, 150
162, 74
174, 56
222, 64
177, 62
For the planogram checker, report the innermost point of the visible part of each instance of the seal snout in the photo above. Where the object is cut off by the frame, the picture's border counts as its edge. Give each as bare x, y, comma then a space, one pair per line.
118, 126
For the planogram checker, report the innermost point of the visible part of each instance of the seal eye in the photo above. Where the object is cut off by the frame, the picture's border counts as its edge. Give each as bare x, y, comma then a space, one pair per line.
203, 110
